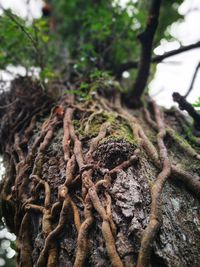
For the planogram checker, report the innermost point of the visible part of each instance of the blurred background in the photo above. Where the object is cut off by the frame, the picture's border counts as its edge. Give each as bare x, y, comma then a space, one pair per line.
173, 74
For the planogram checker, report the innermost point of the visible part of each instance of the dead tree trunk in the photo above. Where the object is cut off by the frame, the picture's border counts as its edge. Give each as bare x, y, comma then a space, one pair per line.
90, 183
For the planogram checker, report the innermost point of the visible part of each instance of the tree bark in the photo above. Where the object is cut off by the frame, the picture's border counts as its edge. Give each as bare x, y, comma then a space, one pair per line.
79, 177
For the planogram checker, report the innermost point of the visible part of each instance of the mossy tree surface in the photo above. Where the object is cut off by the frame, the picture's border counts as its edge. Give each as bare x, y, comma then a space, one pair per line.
94, 178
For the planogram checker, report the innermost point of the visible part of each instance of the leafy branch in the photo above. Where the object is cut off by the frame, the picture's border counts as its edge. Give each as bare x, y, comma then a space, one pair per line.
34, 43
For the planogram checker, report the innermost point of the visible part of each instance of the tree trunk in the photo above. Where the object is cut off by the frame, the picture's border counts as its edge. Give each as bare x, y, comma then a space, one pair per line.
80, 179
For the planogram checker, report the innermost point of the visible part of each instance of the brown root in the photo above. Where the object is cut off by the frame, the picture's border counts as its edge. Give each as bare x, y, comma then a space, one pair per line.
156, 192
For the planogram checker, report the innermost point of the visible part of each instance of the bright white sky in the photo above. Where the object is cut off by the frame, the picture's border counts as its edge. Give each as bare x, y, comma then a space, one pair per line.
177, 77
173, 75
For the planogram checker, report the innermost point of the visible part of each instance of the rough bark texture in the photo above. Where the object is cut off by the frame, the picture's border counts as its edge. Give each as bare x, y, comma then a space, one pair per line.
79, 178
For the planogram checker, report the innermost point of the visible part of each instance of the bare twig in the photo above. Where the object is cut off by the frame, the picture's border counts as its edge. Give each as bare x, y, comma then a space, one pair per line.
156, 59
193, 80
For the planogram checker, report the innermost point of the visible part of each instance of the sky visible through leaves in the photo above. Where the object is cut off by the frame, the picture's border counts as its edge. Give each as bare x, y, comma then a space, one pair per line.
175, 73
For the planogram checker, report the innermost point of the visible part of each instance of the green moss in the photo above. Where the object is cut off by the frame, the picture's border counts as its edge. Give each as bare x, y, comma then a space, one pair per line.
120, 130
117, 130
190, 136
77, 127
191, 164
94, 125
183, 144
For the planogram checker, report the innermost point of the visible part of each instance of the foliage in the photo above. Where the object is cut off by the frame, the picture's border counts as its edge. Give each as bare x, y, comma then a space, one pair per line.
168, 7
16, 48
97, 80
26, 45
86, 35
197, 104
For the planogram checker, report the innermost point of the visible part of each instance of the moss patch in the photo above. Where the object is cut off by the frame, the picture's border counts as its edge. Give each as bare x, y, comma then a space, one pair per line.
118, 129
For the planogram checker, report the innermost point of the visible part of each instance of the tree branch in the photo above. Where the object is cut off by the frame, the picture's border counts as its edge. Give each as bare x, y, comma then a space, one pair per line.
146, 40
193, 80
184, 105
156, 59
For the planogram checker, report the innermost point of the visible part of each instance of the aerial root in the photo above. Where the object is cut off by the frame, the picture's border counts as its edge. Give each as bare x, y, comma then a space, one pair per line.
46, 219
95, 141
18, 149
44, 138
28, 131
189, 180
69, 171
156, 195
107, 228
183, 144
139, 134
77, 220
105, 182
77, 144
66, 136
109, 213
24, 242
52, 236
91, 198
46, 209
110, 244
82, 241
